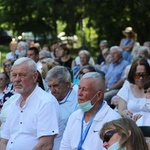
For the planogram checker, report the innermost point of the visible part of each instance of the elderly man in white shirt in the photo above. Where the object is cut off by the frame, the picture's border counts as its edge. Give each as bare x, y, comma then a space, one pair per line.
82, 130
32, 121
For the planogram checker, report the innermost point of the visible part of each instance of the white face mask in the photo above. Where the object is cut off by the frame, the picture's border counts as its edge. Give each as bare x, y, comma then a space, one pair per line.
17, 52
22, 53
115, 146
86, 106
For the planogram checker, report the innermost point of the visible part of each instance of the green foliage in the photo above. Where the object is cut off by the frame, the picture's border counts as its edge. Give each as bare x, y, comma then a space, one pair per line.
90, 20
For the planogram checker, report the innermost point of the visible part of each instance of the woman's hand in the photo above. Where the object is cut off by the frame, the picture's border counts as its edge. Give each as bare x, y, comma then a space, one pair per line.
136, 117
126, 113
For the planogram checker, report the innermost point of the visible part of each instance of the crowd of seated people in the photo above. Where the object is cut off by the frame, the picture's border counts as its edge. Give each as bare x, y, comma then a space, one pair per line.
121, 70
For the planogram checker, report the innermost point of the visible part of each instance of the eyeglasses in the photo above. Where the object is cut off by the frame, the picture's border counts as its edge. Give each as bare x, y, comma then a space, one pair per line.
82, 73
108, 135
7, 65
139, 75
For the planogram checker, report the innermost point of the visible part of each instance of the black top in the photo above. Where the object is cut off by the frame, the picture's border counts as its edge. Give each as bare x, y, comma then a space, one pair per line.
100, 59
66, 64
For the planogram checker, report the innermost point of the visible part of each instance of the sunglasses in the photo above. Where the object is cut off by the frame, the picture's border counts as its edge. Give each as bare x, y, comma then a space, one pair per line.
139, 75
146, 91
7, 65
82, 73
108, 135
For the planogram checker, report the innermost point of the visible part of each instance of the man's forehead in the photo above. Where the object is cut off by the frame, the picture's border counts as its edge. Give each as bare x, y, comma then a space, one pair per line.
54, 81
86, 82
103, 44
30, 52
21, 68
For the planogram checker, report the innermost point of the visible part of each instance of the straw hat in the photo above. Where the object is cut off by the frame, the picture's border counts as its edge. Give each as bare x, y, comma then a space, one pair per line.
128, 30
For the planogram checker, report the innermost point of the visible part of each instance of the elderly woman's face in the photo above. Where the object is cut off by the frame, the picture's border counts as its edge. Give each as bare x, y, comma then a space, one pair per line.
110, 137
20, 48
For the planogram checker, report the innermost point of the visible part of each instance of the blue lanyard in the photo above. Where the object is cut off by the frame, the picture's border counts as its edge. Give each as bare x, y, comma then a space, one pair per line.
84, 134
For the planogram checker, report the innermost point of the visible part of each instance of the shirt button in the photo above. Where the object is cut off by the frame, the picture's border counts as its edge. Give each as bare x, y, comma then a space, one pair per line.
11, 142
21, 111
20, 122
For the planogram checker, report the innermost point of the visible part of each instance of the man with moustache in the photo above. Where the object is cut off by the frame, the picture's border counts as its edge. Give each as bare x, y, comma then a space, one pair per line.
32, 121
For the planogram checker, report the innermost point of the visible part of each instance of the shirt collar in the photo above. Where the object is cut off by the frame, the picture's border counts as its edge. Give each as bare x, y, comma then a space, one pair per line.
29, 97
66, 97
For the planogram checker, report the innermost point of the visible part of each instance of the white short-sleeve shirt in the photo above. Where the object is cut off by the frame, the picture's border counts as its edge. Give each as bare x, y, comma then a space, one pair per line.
133, 104
38, 117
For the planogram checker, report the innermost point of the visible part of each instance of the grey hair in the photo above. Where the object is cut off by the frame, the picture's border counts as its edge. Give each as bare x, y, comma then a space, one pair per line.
48, 59
58, 72
104, 41
147, 44
99, 80
85, 52
45, 53
135, 49
144, 49
119, 49
32, 65
24, 44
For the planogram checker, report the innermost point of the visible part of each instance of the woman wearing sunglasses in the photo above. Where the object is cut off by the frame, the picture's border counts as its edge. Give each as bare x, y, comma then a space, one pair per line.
144, 116
122, 134
131, 96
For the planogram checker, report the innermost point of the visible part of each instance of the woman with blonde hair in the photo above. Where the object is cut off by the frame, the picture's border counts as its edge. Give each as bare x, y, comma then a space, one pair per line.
47, 66
122, 134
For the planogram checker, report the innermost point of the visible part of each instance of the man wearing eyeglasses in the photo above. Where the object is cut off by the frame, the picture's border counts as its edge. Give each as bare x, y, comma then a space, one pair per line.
82, 130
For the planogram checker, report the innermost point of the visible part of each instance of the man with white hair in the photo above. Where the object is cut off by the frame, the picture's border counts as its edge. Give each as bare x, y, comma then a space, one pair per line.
144, 52
84, 56
115, 74
82, 130
44, 54
32, 120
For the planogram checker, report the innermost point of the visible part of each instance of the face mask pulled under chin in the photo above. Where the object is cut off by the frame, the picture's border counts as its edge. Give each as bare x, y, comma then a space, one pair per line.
86, 106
